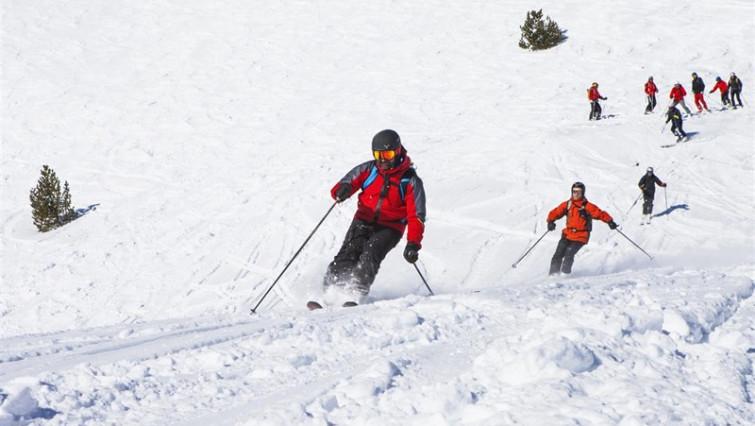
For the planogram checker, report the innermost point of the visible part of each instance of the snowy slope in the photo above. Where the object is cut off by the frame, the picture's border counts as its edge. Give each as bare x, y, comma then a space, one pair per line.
202, 138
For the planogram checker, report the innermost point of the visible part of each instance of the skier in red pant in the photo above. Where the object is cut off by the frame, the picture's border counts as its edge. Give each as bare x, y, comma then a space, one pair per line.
698, 88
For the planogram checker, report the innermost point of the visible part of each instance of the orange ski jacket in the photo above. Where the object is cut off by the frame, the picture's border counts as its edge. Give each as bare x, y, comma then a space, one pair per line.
579, 215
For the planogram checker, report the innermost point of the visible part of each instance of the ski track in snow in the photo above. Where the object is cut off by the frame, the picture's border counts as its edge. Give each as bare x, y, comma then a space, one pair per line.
447, 351
202, 141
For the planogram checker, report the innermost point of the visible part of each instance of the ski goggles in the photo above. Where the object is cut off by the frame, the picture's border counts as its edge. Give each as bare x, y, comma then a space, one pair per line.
385, 155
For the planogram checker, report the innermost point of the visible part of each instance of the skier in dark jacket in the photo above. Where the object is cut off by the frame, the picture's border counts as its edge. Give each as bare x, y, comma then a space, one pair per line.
392, 198
735, 88
647, 186
698, 88
579, 214
675, 117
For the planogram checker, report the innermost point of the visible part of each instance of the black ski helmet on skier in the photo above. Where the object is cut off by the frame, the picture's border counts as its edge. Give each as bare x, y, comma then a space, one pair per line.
579, 185
386, 140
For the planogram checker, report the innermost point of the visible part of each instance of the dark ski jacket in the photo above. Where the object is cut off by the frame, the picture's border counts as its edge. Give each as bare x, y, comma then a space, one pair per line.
394, 198
579, 215
647, 184
735, 84
674, 114
698, 86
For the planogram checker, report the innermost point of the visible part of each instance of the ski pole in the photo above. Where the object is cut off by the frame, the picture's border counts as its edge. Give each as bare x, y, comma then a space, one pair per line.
528, 251
254, 310
635, 244
665, 196
635, 202
423, 280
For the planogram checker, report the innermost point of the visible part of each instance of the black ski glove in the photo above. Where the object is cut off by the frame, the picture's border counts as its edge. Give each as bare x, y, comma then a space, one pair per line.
604, 98
342, 192
551, 226
411, 252
612, 225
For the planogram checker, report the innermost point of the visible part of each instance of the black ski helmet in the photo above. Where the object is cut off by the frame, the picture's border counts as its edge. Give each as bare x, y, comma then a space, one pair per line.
386, 140
579, 185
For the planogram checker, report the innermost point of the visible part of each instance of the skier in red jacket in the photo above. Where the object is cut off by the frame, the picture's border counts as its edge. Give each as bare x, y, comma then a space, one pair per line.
593, 95
650, 90
721, 85
579, 214
677, 96
392, 198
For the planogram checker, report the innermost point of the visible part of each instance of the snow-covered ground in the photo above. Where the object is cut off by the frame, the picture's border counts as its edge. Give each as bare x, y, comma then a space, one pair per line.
201, 140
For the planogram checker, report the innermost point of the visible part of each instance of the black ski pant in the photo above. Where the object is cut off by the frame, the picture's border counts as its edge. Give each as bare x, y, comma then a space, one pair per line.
647, 205
563, 258
676, 128
733, 94
725, 98
595, 110
355, 266
651, 103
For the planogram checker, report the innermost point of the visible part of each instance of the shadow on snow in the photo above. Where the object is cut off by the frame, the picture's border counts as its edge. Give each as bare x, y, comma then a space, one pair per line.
671, 209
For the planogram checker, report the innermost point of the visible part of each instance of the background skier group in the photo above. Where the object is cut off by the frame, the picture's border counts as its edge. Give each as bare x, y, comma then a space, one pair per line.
677, 94
698, 89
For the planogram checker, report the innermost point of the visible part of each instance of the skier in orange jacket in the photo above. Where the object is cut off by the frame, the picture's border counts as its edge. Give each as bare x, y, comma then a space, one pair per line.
579, 214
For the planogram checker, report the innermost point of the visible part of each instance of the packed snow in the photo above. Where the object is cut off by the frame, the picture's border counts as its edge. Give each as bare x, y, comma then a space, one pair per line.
201, 139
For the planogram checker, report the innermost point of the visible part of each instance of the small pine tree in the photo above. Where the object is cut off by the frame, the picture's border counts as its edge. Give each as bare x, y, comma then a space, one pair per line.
50, 208
538, 34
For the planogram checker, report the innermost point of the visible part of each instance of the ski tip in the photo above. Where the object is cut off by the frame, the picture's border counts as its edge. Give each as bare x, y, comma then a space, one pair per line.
312, 305
350, 304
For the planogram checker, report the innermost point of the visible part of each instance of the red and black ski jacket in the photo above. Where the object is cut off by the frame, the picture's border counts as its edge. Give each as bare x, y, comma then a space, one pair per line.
579, 215
394, 198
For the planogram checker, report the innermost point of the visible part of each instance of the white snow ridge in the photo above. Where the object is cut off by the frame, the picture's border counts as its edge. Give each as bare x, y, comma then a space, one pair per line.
201, 140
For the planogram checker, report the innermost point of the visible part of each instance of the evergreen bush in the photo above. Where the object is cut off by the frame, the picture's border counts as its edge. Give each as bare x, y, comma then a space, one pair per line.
50, 208
539, 34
